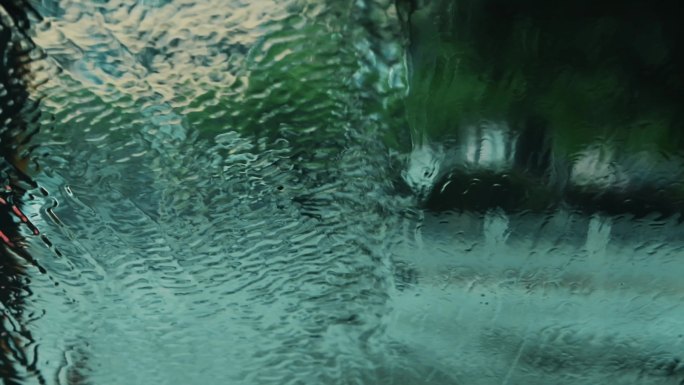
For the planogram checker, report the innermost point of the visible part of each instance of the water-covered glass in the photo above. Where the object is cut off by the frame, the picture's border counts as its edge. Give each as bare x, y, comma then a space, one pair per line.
341, 192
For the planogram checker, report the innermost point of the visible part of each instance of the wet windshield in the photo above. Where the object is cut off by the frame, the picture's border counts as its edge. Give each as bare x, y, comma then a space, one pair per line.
340, 192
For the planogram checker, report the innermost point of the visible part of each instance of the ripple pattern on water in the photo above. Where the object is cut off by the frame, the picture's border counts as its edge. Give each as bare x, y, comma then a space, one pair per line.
228, 191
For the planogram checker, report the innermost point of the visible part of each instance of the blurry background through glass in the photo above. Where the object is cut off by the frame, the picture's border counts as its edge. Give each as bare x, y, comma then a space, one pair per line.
341, 192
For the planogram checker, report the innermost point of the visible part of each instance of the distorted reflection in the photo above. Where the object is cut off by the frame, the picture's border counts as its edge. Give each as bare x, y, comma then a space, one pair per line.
341, 192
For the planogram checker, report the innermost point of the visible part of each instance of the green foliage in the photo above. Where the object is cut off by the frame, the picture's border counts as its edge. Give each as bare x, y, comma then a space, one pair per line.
589, 71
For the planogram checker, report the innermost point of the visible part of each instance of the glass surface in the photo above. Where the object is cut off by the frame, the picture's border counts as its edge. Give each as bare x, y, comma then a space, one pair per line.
341, 192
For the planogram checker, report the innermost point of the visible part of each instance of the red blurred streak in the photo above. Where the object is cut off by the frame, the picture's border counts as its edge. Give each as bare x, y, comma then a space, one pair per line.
6, 239
19, 214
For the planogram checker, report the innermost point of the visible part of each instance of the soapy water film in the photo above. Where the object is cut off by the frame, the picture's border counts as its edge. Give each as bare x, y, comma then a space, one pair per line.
232, 192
